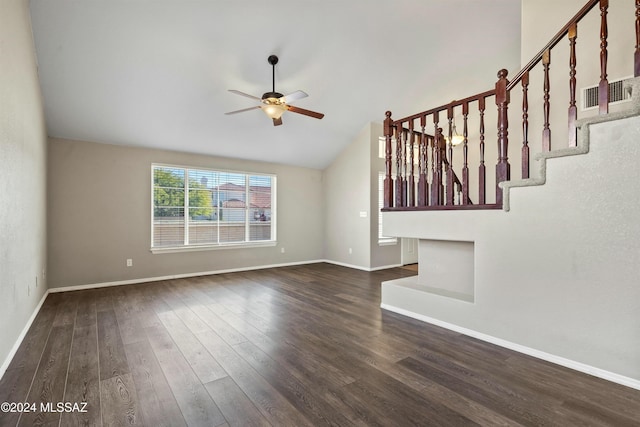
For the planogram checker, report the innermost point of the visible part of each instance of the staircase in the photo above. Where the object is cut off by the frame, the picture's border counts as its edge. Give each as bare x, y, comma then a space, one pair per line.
548, 264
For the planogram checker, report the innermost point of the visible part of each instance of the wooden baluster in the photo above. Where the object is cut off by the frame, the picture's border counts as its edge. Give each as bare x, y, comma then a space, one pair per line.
411, 197
441, 148
422, 170
388, 180
405, 166
603, 88
436, 181
399, 161
482, 172
525, 125
573, 111
546, 131
465, 152
433, 190
449, 192
636, 57
429, 148
503, 169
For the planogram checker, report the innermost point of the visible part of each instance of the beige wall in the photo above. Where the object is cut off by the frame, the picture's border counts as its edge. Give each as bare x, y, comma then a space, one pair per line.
347, 193
351, 187
100, 215
22, 173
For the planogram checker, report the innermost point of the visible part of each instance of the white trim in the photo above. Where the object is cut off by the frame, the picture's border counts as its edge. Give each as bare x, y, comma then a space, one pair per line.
195, 248
567, 363
176, 276
22, 335
384, 267
359, 267
207, 273
344, 264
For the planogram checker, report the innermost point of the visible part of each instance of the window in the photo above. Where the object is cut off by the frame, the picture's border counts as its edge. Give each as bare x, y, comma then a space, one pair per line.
382, 239
205, 208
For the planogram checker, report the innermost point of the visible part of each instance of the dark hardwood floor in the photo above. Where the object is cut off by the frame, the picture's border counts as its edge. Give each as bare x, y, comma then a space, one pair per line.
293, 346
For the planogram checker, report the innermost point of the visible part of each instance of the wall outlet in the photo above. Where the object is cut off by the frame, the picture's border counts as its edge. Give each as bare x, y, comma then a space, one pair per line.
350, 251
363, 214
281, 250
129, 262
36, 281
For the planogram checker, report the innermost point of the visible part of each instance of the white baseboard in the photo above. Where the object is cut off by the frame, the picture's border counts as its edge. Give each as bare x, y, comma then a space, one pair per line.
177, 276
359, 267
207, 273
23, 334
384, 267
567, 363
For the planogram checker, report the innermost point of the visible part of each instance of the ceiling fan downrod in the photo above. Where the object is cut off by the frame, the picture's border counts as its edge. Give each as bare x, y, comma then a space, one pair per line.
273, 60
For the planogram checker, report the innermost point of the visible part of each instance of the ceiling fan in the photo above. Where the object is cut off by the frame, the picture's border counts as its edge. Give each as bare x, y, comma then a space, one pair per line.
274, 104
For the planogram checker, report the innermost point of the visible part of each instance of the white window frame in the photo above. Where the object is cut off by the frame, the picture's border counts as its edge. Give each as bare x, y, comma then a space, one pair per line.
186, 246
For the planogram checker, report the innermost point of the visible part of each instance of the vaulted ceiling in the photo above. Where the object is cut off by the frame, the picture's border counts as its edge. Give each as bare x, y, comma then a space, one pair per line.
156, 73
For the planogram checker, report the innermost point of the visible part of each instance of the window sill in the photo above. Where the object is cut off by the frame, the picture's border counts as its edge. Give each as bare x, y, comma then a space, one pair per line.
197, 248
389, 242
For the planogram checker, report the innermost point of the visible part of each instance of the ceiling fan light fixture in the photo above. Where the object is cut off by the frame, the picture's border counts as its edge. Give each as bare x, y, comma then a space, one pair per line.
274, 111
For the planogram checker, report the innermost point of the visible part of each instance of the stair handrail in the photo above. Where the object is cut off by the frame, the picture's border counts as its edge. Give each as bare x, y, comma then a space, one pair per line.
444, 107
553, 42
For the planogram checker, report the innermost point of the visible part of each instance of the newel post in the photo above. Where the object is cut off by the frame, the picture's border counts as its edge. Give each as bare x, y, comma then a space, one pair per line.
388, 181
503, 169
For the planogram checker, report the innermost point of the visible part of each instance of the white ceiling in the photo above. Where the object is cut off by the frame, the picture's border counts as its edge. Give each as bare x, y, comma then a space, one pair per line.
155, 73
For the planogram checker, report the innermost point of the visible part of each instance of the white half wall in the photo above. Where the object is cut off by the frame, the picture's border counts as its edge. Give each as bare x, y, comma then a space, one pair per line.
559, 273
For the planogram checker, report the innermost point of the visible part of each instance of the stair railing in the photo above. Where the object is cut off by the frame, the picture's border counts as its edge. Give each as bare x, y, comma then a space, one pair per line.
433, 186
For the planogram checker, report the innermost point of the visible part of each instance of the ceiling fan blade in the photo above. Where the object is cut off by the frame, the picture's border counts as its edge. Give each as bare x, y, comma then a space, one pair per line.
237, 92
294, 96
277, 122
243, 110
305, 112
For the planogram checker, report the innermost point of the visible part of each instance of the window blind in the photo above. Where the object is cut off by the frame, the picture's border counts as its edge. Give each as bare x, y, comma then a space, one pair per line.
222, 208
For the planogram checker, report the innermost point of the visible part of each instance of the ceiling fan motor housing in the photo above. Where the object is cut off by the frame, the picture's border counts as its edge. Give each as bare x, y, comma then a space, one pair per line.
274, 95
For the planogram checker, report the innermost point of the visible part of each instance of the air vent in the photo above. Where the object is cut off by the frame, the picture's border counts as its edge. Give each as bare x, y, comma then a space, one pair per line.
616, 94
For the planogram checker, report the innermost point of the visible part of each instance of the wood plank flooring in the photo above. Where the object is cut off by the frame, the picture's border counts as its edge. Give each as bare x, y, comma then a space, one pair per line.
293, 346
